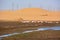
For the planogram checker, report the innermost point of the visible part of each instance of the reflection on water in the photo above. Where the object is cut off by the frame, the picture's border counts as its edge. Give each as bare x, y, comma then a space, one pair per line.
28, 31
50, 28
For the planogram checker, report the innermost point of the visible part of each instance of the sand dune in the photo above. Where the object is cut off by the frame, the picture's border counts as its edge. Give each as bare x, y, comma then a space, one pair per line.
29, 14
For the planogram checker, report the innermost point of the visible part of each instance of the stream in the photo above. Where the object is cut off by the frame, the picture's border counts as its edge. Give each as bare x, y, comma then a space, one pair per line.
28, 31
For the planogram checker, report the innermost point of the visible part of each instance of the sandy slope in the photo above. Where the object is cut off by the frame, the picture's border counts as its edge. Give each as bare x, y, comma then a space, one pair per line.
29, 14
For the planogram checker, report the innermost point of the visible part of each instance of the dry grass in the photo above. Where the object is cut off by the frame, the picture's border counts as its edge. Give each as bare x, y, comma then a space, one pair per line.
41, 35
10, 27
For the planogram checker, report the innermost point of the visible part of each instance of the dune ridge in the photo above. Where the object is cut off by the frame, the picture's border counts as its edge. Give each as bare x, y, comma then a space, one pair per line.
29, 14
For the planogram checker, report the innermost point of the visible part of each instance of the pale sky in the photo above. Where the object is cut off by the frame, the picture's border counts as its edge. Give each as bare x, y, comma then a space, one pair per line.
20, 4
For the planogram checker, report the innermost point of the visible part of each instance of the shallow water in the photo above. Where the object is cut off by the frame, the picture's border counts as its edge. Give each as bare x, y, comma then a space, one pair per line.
28, 31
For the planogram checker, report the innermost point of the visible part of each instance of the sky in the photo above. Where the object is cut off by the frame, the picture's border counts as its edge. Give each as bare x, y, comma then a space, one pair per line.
21, 4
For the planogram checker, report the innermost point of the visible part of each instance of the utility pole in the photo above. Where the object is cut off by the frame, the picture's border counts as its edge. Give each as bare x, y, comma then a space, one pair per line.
29, 6
12, 6
17, 6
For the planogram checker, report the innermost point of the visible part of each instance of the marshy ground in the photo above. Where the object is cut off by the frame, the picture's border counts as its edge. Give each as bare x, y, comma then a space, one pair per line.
11, 27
